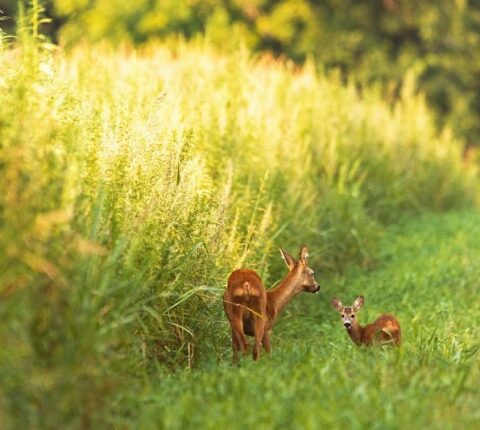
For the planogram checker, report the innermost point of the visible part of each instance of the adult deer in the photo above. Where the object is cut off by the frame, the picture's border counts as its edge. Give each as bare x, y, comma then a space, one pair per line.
384, 330
252, 310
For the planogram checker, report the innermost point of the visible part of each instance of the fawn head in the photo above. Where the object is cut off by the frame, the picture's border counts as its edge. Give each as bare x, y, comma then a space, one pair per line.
348, 314
300, 270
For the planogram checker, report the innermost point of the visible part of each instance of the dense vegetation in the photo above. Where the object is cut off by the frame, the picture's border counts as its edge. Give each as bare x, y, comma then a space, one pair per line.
133, 181
374, 41
316, 378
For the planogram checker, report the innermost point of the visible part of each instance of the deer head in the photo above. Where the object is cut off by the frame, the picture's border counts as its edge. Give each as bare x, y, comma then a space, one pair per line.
300, 273
348, 314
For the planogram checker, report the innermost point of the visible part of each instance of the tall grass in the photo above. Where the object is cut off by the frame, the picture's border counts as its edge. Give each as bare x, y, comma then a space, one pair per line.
134, 181
317, 378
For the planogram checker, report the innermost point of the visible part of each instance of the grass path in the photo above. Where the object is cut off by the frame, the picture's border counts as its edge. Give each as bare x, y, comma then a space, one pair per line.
428, 275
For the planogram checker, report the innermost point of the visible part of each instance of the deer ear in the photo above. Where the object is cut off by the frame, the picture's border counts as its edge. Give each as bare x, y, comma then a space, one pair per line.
304, 254
337, 304
289, 260
358, 303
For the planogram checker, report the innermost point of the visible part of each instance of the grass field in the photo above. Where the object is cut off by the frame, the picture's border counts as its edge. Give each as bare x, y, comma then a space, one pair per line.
133, 182
429, 276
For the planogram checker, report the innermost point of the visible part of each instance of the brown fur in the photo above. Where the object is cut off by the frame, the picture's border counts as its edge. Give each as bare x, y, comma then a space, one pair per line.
384, 330
252, 310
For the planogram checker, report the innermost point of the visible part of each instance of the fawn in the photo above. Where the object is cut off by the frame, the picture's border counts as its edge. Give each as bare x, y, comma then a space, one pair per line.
384, 330
252, 310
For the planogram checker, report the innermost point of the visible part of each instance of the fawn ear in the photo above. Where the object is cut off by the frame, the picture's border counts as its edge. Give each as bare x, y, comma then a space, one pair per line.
304, 255
358, 303
337, 304
289, 260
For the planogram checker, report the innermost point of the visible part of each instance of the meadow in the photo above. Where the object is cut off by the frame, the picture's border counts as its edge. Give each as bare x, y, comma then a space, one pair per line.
134, 181
317, 378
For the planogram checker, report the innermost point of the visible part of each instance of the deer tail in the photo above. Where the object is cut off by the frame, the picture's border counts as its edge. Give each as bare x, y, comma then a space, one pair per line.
246, 287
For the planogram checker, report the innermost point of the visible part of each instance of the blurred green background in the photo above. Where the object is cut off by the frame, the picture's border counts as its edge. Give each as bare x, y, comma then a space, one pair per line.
370, 41
154, 146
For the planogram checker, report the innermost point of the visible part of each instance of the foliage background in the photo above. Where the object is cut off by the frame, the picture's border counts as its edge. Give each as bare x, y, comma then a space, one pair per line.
135, 178
371, 41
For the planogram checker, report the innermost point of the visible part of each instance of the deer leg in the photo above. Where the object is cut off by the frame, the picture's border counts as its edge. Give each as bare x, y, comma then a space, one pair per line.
242, 340
235, 346
389, 336
266, 341
259, 329
238, 335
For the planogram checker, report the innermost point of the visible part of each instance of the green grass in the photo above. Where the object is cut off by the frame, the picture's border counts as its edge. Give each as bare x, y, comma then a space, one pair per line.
429, 276
133, 183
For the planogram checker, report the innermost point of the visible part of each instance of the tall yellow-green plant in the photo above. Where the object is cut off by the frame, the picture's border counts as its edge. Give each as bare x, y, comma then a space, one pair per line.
134, 181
